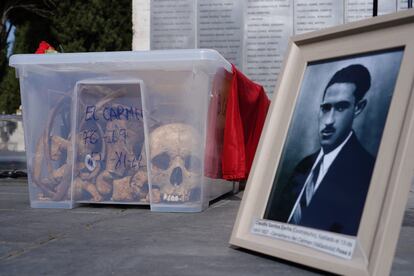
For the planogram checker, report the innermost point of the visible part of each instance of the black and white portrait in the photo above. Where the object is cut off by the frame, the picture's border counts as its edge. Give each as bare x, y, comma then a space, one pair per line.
329, 154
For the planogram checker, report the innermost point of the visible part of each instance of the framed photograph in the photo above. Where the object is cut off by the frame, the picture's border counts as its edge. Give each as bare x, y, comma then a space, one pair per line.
333, 169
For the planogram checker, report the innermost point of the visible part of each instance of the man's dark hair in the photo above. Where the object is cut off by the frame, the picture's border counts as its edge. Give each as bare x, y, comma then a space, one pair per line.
356, 74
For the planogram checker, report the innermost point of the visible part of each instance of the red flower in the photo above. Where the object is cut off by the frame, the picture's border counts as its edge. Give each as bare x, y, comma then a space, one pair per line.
45, 48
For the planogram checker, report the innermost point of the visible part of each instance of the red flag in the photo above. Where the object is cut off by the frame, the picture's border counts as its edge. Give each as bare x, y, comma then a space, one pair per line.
247, 107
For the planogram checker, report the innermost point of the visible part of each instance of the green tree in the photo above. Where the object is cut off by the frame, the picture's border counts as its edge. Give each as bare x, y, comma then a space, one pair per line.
24, 43
69, 26
15, 12
31, 18
93, 26
10, 97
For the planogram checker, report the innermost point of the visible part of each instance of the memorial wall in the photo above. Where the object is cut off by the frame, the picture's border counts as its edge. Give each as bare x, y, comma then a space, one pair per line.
252, 34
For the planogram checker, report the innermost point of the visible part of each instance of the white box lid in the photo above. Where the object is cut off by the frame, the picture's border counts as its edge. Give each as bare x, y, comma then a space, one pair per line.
125, 60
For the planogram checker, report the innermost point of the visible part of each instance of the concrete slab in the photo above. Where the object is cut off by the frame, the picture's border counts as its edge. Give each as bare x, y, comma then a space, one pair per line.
130, 240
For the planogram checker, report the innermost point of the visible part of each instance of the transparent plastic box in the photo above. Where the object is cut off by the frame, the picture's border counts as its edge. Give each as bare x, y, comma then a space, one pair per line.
97, 127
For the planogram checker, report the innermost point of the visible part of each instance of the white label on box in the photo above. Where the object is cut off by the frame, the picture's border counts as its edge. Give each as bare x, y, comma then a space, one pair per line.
330, 243
90, 163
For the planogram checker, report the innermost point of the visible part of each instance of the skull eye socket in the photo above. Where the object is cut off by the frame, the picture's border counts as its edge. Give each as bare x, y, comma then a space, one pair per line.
192, 163
161, 161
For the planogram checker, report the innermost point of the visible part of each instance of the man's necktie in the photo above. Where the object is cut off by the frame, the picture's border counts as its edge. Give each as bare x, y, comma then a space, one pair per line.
307, 194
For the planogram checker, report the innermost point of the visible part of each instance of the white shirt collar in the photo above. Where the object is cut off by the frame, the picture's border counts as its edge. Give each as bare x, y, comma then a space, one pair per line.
328, 159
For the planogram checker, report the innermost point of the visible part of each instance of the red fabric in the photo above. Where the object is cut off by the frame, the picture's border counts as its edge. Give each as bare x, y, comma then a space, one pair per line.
247, 107
44, 47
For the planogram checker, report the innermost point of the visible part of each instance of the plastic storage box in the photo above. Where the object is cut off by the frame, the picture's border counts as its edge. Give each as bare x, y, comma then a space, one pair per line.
124, 127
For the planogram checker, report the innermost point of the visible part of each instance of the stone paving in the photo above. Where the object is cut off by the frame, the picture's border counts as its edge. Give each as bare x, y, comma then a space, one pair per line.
128, 240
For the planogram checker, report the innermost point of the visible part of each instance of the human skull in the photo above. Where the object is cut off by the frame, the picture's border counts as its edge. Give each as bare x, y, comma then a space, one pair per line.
176, 167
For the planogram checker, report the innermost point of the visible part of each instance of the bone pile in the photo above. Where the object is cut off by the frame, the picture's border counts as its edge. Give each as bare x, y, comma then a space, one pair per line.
109, 140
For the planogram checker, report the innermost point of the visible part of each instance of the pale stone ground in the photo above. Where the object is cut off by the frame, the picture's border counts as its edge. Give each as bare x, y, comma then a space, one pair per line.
127, 240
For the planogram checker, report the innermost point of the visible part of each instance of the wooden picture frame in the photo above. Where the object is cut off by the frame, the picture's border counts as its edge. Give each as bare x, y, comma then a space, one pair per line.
385, 46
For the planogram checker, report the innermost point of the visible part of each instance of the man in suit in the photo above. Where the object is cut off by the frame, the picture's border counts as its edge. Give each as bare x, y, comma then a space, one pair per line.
328, 188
